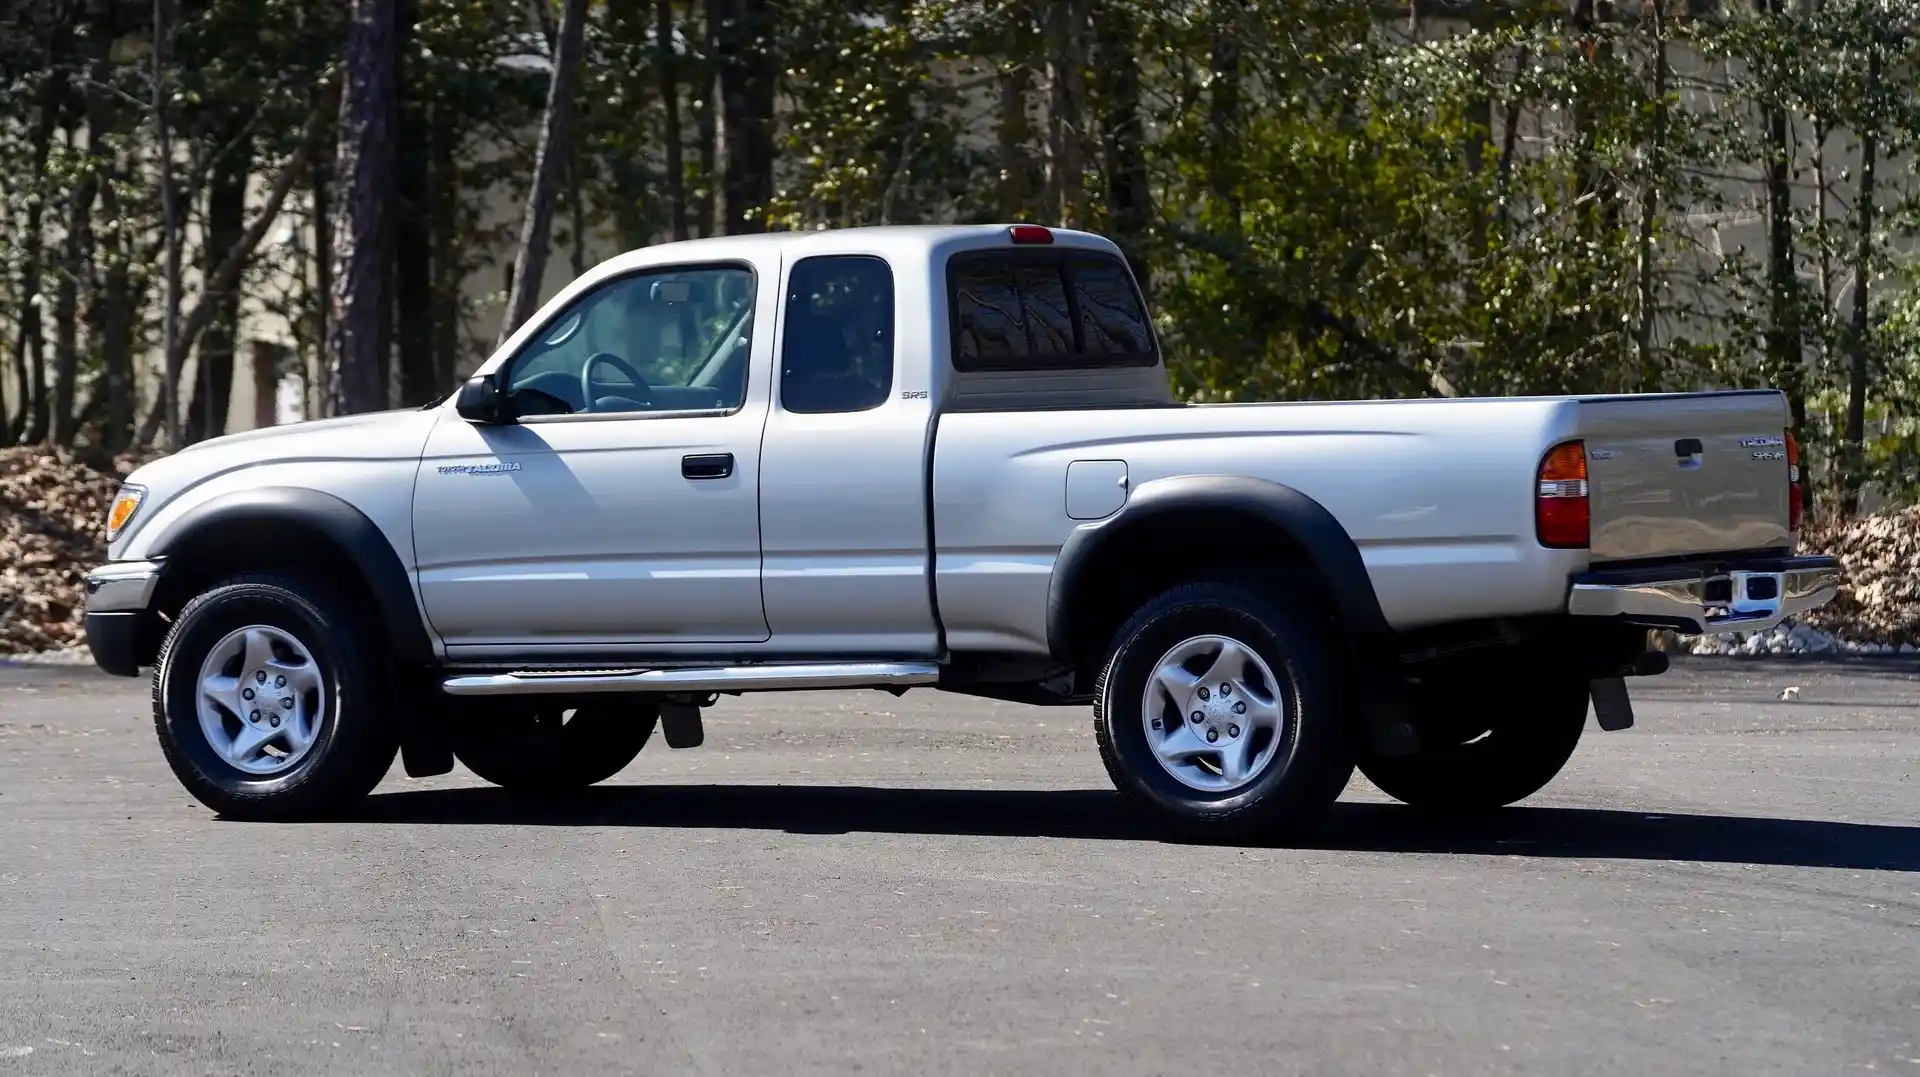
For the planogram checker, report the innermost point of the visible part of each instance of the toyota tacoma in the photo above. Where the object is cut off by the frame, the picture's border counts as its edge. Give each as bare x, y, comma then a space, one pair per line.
933, 457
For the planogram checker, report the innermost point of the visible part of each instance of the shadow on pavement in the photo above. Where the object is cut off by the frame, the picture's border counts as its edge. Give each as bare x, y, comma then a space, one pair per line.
1100, 814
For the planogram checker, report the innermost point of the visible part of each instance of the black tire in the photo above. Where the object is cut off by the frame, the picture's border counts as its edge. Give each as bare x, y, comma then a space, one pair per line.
547, 748
1484, 745
354, 734
1314, 752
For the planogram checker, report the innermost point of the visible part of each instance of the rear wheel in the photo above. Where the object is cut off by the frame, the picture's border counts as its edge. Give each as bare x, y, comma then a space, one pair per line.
1484, 745
1219, 712
548, 747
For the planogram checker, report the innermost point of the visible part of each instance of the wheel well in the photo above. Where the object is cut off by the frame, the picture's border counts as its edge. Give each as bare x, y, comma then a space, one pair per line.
258, 545
1166, 550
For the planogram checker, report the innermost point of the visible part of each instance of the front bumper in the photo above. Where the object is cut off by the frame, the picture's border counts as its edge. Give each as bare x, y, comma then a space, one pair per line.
122, 629
1734, 595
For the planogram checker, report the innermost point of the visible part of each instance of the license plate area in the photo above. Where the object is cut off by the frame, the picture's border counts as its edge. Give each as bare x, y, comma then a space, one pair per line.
1743, 596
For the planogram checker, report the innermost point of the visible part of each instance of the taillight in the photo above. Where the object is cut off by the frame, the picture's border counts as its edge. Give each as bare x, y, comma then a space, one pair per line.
1561, 515
1796, 495
1030, 233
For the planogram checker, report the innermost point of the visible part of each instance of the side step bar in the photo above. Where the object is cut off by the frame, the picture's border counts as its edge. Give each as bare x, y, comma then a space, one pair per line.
769, 678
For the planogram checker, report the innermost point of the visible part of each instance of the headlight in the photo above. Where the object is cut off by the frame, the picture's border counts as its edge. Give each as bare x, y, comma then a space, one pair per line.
125, 504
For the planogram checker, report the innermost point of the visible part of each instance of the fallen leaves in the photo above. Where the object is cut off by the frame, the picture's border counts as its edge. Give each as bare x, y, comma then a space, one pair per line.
1879, 599
53, 509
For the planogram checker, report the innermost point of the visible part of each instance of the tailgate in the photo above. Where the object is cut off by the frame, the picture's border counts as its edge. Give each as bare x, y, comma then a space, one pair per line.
1686, 473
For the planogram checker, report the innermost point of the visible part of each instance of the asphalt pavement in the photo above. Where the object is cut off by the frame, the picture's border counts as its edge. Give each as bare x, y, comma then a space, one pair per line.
853, 883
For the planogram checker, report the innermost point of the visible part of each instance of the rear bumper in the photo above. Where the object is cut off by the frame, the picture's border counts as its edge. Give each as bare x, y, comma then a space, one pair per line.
122, 629
1736, 595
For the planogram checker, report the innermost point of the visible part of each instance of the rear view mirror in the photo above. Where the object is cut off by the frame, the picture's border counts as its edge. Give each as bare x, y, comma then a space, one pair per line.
678, 291
481, 401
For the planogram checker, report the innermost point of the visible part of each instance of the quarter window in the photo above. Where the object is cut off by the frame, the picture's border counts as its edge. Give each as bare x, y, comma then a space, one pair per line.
836, 354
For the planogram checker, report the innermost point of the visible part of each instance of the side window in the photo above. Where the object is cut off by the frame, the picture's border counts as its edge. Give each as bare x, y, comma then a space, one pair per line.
836, 354
659, 340
1033, 310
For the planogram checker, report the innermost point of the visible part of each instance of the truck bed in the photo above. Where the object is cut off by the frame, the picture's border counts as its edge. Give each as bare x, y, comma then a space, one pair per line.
1437, 494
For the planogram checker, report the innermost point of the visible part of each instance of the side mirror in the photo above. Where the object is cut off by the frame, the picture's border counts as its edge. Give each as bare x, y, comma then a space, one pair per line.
482, 401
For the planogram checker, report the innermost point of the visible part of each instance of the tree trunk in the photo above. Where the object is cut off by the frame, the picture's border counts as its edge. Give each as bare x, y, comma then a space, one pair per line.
412, 239
320, 193
364, 170
1859, 333
444, 183
172, 223
1223, 104
226, 224
1066, 29
1014, 136
1784, 335
744, 40
1124, 136
536, 232
66, 306
576, 216
112, 323
707, 118
669, 64
1650, 195
29, 353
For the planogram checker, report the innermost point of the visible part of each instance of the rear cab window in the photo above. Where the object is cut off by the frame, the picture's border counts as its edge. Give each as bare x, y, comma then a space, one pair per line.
1053, 308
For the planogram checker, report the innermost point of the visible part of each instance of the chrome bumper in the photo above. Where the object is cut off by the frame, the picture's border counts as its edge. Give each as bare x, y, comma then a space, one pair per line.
122, 586
1738, 595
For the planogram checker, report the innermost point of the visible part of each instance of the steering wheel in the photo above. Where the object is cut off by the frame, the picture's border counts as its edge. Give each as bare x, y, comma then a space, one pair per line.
640, 392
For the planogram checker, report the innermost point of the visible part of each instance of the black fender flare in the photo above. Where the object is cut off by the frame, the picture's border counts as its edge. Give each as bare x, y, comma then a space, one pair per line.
1328, 547
345, 526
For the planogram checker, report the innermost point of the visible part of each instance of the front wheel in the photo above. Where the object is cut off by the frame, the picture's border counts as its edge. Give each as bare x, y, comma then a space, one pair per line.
1484, 745
267, 703
1219, 712
549, 748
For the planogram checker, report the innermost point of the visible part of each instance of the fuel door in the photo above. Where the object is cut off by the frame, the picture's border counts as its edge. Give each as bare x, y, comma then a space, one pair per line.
1096, 488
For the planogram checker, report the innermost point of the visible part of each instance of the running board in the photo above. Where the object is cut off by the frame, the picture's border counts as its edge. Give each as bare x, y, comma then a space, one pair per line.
722, 679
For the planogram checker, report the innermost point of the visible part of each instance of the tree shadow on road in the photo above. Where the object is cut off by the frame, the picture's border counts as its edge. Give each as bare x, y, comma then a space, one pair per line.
1581, 833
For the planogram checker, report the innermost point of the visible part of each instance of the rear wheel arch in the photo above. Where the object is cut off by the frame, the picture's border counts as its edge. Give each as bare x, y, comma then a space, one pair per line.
1105, 570
279, 528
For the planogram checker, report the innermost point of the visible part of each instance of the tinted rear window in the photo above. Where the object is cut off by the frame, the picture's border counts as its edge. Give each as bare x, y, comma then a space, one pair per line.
1015, 310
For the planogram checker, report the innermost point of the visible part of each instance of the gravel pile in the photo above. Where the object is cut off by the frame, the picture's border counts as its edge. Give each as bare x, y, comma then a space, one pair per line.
53, 510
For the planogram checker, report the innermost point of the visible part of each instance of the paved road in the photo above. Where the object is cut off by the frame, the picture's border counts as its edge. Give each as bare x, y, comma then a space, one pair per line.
853, 883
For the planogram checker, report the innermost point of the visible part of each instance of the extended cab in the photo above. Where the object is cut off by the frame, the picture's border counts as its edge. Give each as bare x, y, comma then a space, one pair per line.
941, 457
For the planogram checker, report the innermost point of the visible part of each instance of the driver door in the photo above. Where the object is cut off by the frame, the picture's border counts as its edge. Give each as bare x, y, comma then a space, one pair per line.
619, 513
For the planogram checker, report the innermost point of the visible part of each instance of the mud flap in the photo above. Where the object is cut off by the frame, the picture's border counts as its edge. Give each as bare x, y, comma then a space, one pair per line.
1611, 707
680, 724
425, 748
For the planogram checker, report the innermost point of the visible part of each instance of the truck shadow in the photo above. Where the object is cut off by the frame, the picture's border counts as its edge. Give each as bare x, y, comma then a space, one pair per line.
1567, 833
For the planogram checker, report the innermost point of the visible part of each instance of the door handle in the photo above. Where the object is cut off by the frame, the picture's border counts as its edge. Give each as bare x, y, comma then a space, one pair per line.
717, 465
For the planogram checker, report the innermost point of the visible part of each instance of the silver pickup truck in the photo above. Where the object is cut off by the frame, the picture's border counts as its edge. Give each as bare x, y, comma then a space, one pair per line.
931, 457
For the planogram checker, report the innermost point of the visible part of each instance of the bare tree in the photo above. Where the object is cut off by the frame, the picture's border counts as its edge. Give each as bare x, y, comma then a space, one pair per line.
363, 167
224, 277
530, 264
